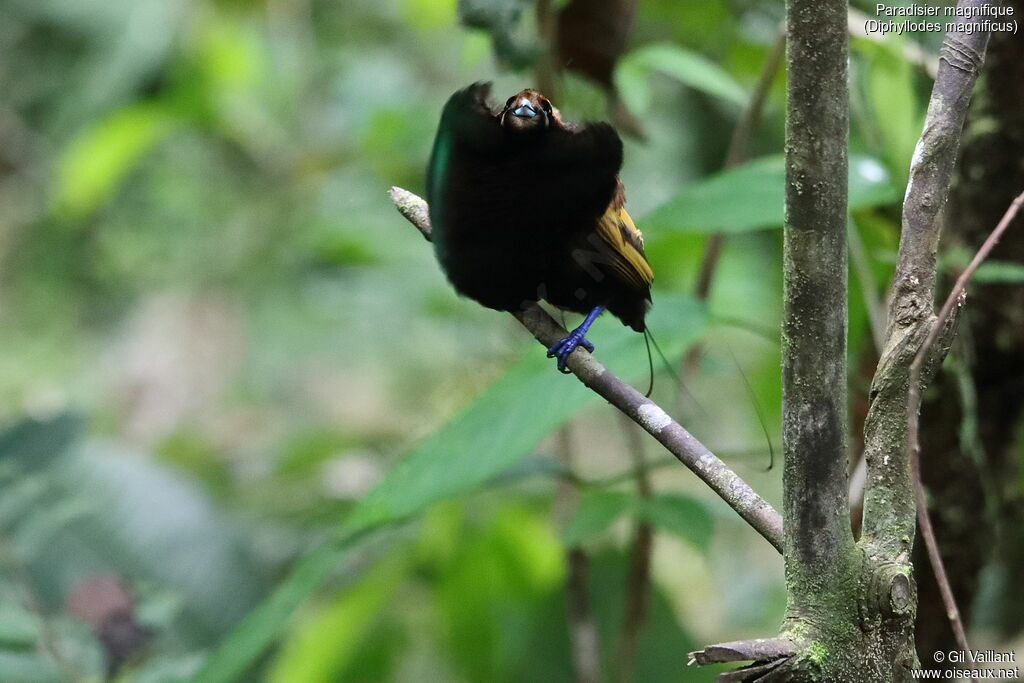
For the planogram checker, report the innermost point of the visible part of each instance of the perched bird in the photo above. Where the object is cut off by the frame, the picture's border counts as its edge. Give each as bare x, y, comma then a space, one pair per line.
525, 206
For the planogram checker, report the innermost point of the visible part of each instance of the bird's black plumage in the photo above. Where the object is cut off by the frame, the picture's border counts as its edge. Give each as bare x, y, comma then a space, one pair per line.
525, 207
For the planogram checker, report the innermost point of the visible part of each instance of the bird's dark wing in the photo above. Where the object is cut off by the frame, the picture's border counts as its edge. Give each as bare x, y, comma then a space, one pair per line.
468, 118
593, 146
466, 123
582, 163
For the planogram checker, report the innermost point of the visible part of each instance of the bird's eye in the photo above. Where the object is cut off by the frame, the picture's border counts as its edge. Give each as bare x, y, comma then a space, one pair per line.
546, 106
508, 102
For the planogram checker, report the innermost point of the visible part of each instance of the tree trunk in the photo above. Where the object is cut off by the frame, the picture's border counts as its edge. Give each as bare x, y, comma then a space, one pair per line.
822, 562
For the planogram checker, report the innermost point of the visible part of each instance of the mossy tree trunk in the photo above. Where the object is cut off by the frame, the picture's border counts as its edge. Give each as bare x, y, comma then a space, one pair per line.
851, 605
821, 558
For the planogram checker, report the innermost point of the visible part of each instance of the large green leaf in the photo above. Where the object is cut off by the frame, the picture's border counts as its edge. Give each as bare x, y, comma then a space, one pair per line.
330, 640
956, 260
890, 90
26, 667
633, 72
679, 514
487, 437
34, 445
752, 197
244, 645
595, 512
1004, 272
95, 162
676, 513
508, 419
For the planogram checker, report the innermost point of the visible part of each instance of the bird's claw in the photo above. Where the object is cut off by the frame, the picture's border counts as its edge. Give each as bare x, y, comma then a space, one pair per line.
566, 346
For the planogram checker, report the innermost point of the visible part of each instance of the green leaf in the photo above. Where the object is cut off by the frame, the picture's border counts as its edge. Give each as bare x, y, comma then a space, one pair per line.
752, 197
662, 637
22, 498
429, 14
999, 271
95, 163
679, 514
510, 417
632, 81
243, 646
483, 440
28, 668
594, 514
531, 467
691, 68
39, 529
492, 596
890, 86
34, 445
956, 259
325, 645
19, 628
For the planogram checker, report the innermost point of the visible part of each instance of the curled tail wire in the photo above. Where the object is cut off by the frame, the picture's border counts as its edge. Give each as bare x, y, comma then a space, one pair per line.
757, 409
649, 341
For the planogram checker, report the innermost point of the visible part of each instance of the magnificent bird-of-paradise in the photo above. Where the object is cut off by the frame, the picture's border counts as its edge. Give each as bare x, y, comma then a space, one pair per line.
525, 206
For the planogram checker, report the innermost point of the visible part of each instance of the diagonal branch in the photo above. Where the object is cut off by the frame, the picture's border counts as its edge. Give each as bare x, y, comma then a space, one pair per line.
889, 508
757, 512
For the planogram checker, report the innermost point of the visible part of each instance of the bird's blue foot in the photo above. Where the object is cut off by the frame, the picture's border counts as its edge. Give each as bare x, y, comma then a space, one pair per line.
577, 337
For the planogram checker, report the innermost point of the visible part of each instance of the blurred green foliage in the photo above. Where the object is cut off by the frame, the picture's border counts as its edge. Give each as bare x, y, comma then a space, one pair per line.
236, 379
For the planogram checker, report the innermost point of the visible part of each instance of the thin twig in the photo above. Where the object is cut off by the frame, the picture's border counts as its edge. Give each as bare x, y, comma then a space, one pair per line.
954, 299
638, 577
586, 654
757, 512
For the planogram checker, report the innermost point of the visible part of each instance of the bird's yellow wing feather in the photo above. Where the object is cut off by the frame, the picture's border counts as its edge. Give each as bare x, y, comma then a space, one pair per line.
618, 231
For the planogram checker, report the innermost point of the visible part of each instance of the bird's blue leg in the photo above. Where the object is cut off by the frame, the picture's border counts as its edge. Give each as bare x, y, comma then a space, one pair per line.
577, 337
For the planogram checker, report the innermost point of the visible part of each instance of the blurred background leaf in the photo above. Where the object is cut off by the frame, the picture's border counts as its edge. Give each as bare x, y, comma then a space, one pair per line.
752, 196
686, 66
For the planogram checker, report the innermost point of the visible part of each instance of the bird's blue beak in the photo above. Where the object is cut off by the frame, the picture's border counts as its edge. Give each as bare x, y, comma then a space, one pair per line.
525, 110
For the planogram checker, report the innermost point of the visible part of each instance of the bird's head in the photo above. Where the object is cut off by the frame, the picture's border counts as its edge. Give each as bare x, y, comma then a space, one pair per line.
529, 112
